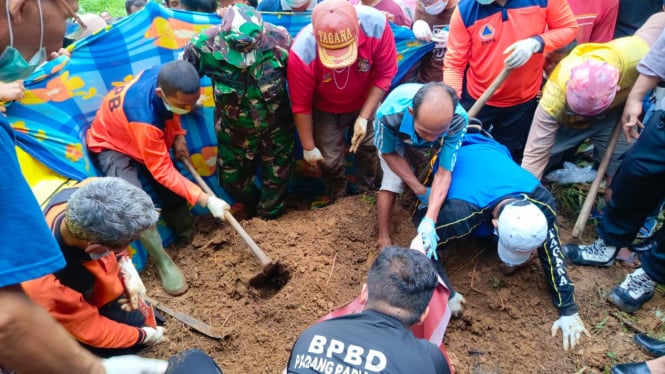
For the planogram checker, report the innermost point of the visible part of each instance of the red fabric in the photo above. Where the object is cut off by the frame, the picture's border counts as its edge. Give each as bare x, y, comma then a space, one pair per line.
480, 45
389, 6
596, 19
311, 85
432, 329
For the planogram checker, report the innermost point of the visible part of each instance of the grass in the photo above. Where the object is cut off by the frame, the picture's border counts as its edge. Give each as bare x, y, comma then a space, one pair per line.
368, 199
115, 7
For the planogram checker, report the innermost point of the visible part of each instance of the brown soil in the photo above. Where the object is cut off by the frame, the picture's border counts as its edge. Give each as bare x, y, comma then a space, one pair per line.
325, 254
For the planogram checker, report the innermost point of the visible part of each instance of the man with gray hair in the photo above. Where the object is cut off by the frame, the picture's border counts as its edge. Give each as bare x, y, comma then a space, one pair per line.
98, 297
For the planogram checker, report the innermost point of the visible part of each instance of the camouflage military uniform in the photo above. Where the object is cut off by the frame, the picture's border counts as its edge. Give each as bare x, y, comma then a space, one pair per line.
246, 61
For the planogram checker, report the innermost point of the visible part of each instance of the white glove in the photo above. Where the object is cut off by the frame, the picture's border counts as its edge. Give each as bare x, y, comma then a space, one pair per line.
359, 131
134, 365
441, 38
217, 207
572, 328
521, 52
313, 156
418, 244
132, 281
455, 304
422, 31
154, 336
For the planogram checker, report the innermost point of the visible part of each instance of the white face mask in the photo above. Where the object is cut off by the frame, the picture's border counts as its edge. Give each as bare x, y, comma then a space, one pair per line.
485, 2
436, 7
99, 256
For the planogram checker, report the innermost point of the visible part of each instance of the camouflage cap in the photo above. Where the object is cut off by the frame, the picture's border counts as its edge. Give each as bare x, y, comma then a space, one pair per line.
241, 30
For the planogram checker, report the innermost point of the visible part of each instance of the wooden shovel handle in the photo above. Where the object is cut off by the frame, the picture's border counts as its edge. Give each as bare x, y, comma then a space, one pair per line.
263, 259
498, 81
600, 174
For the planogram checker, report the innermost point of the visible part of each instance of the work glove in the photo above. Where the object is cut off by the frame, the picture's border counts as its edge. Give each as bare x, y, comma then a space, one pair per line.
572, 328
313, 156
359, 132
440, 37
521, 52
455, 304
154, 335
427, 231
134, 365
218, 207
422, 31
424, 198
133, 284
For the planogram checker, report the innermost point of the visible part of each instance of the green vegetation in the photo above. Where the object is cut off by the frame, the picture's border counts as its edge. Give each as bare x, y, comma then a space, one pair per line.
115, 7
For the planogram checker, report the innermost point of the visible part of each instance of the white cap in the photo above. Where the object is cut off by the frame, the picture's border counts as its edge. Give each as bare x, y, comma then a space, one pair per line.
522, 227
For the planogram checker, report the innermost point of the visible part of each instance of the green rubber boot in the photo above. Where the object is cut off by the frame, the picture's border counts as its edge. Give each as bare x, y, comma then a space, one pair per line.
173, 281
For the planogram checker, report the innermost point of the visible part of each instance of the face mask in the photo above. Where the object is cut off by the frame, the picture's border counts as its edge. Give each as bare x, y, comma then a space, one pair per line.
13, 66
436, 8
99, 256
173, 109
485, 2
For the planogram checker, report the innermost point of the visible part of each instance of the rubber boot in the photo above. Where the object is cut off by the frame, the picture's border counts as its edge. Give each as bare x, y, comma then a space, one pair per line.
173, 281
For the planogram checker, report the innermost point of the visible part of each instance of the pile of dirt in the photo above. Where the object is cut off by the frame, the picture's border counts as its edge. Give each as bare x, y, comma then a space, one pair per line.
325, 255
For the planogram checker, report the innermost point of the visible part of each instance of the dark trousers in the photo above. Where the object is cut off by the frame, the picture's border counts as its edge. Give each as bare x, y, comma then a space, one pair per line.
192, 361
637, 188
508, 126
114, 312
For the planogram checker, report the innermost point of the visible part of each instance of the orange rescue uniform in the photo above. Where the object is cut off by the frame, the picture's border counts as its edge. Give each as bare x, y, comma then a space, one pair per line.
133, 120
479, 34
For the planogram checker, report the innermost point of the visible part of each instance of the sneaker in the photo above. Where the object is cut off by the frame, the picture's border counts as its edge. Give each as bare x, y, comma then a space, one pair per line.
633, 292
596, 254
648, 227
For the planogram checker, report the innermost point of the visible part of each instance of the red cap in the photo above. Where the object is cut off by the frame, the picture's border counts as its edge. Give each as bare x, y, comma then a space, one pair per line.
336, 25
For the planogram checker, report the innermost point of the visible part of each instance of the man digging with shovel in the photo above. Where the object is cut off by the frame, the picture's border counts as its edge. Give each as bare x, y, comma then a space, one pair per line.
131, 135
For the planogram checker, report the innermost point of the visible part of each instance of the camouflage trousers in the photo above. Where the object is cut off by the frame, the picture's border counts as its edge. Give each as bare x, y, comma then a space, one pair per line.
243, 153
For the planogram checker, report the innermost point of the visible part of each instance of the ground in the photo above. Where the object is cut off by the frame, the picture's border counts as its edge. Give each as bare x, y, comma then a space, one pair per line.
325, 254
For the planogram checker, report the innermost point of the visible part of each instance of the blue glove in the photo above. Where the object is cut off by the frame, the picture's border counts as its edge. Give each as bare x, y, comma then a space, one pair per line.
424, 198
427, 231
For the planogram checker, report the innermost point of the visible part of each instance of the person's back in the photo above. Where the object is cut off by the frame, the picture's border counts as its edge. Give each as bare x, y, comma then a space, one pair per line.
369, 341
378, 340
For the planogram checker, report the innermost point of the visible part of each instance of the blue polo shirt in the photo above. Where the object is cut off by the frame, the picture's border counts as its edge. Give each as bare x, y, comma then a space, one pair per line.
28, 249
395, 128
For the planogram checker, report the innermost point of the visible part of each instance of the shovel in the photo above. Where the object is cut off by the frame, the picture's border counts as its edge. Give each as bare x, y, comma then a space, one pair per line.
188, 320
270, 268
498, 81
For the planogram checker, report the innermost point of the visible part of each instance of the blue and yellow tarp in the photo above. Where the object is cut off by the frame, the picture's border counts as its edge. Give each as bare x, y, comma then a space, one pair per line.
64, 94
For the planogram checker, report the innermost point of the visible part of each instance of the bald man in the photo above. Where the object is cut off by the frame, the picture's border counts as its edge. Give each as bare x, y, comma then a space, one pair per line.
416, 121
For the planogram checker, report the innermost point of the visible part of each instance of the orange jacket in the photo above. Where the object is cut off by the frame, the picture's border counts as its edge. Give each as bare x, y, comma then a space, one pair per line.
133, 120
480, 33
79, 314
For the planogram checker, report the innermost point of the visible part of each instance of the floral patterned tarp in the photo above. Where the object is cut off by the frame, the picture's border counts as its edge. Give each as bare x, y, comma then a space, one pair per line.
64, 94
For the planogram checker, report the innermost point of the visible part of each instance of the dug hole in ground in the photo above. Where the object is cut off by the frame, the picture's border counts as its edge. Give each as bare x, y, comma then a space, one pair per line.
327, 252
